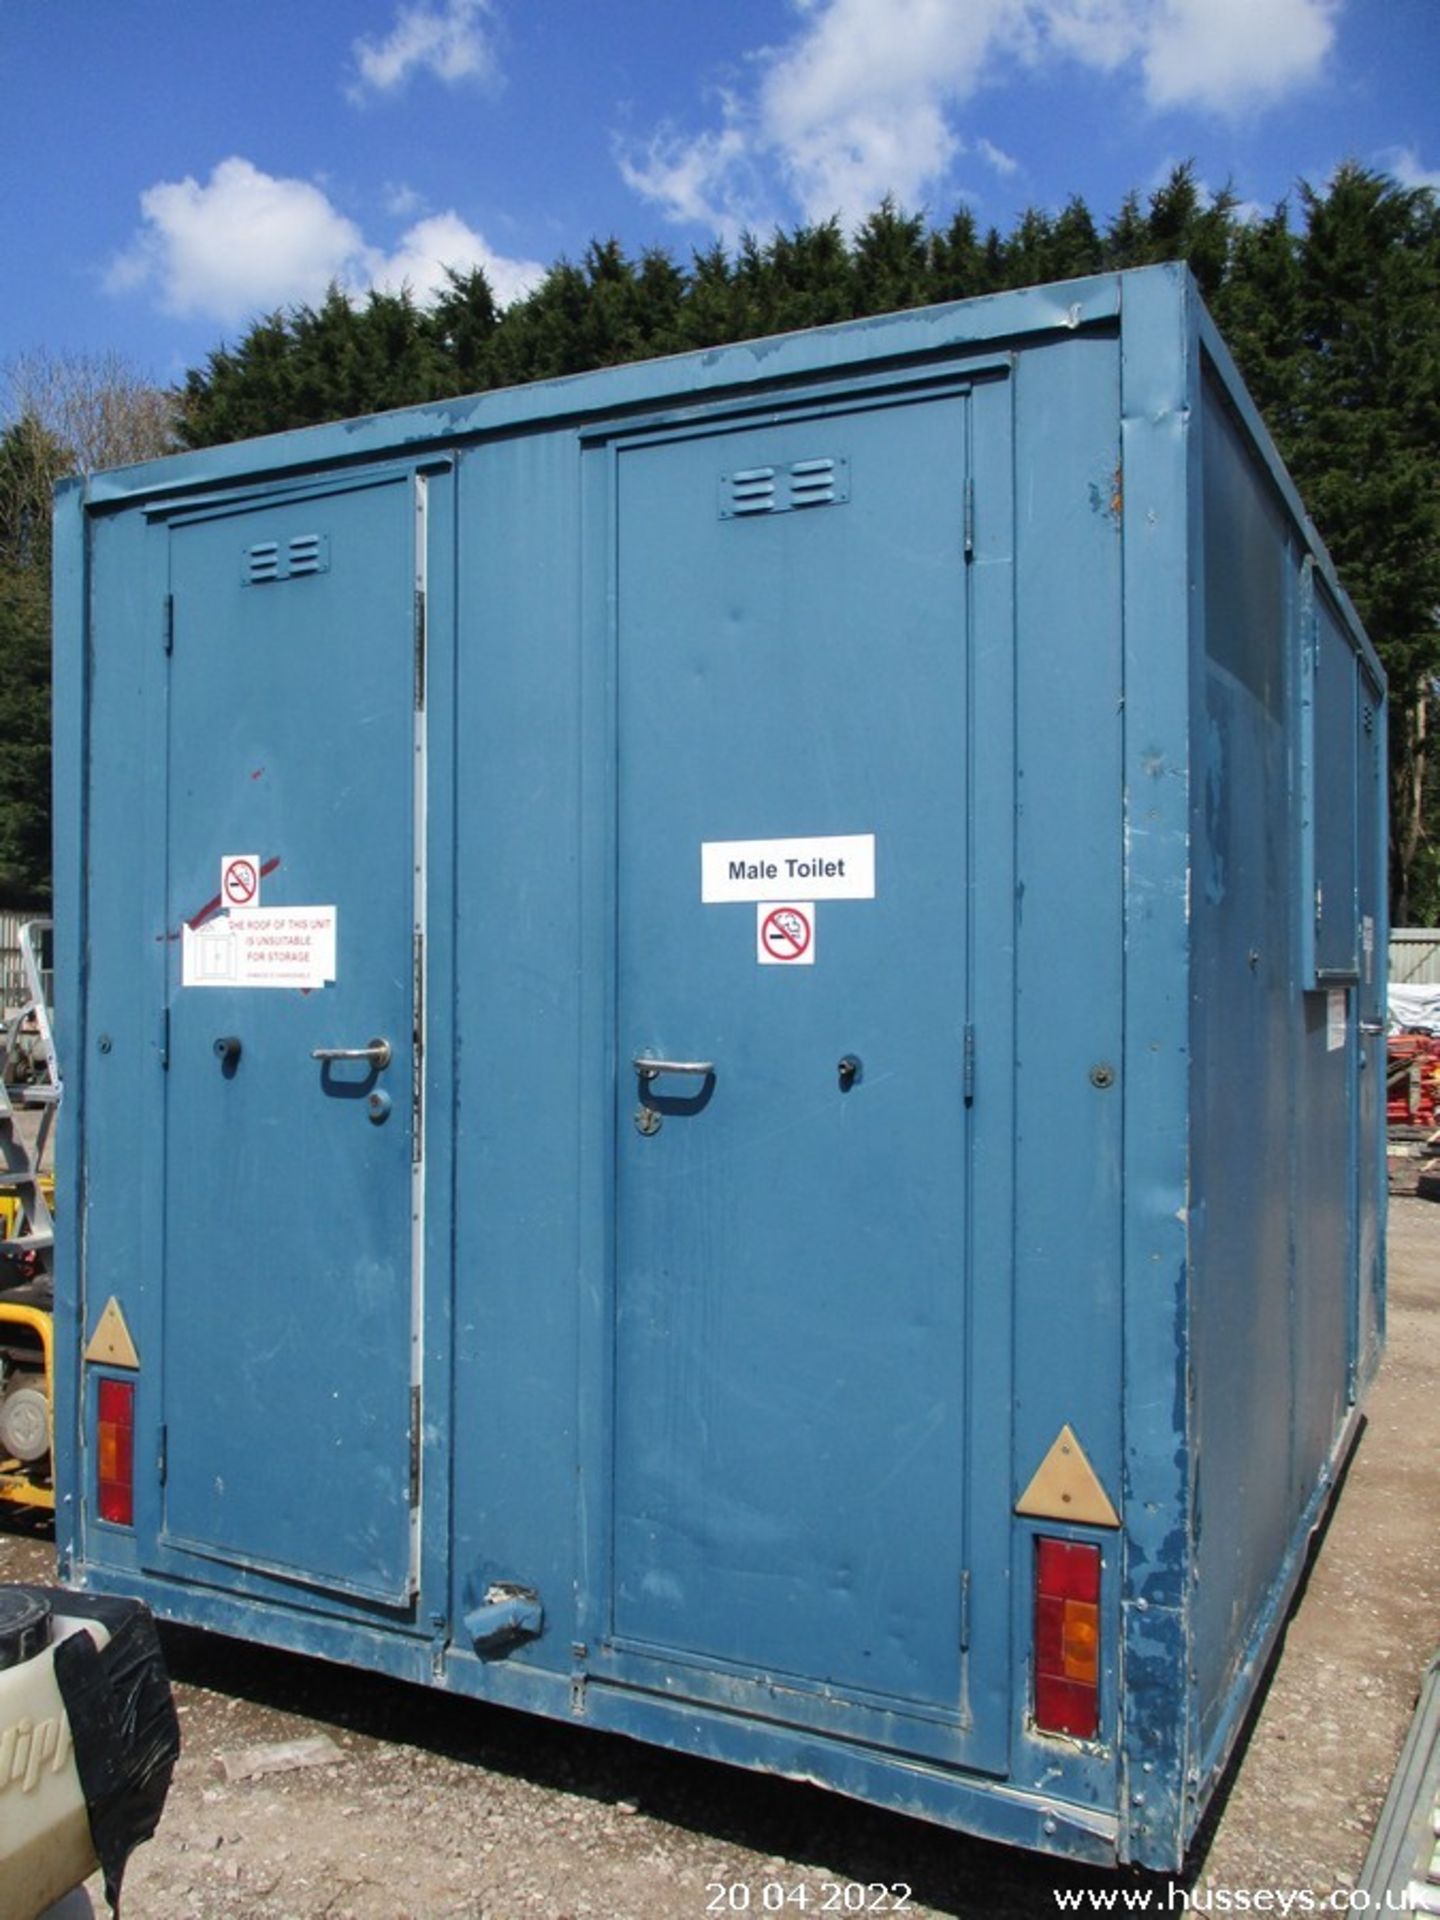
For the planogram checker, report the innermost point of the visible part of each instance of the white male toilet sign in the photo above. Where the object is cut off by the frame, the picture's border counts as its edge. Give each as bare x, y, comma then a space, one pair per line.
836, 866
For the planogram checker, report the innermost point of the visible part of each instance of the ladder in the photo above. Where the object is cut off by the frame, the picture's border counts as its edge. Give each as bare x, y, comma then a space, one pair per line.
27, 1037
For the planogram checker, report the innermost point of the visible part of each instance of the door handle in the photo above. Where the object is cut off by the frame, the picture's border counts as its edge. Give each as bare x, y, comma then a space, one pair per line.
1372, 1026
377, 1054
649, 1069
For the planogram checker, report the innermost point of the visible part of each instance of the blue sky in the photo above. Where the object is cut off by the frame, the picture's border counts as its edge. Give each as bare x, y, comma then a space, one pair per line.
170, 168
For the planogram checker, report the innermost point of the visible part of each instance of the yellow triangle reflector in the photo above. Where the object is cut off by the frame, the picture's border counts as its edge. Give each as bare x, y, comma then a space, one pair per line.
1067, 1487
110, 1344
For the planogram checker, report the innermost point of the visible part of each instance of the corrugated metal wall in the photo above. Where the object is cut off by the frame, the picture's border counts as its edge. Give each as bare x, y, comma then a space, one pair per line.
1415, 956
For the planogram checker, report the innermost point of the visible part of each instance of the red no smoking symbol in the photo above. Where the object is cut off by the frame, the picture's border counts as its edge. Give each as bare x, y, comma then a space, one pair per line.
240, 882
786, 933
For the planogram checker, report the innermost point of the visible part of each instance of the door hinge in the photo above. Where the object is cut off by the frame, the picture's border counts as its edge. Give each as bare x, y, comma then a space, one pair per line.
163, 1038
965, 1610
969, 519
162, 1454
414, 1446
419, 649
417, 1056
169, 623
967, 1071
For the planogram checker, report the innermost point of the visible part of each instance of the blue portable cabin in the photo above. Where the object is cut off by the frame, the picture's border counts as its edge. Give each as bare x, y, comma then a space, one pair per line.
719, 1027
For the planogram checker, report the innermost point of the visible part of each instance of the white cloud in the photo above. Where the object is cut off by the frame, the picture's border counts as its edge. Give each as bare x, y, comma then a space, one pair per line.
1232, 55
854, 107
243, 242
1099, 33
449, 42
865, 98
859, 104
1404, 163
1005, 164
443, 240
246, 242
710, 180
401, 200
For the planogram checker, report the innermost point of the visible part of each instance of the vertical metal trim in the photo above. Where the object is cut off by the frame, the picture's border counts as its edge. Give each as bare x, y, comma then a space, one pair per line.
417, 1049
597, 589
162, 979
1162, 499
1308, 658
991, 946
73, 697
419, 822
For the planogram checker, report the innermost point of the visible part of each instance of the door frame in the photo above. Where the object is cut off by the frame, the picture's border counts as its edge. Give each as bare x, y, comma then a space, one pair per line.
978, 1733
431, 518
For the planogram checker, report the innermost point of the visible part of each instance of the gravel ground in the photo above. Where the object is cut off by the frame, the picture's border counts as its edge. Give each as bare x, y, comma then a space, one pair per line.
439, 1808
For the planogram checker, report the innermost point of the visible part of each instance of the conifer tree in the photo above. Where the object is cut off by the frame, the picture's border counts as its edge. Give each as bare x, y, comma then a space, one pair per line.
1364, 445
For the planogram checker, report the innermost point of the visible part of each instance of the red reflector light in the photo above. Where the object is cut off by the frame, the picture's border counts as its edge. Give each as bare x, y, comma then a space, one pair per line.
1067, 1638
115, 1452
1068, 1571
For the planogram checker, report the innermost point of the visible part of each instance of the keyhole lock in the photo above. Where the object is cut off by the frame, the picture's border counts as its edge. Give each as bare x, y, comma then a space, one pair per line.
227, 1052
647, 1121
1102, 1076
849, 1071
378, 1106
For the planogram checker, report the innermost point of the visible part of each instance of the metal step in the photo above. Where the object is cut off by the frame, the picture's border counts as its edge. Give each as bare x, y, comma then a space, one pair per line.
1402, 1870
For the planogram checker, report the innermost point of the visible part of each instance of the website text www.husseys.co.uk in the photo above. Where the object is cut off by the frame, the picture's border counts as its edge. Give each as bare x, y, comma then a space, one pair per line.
1284, 1901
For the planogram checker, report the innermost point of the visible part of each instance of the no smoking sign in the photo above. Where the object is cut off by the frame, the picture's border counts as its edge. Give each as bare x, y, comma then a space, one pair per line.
240, 880
785, 934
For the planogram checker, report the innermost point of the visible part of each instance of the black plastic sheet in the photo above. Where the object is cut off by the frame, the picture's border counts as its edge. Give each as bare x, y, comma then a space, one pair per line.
123, 1723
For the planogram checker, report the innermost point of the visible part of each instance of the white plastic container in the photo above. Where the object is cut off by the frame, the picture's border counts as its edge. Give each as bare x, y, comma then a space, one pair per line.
45, 1844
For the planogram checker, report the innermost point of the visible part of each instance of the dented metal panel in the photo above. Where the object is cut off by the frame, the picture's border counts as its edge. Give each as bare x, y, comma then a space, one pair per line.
823, 957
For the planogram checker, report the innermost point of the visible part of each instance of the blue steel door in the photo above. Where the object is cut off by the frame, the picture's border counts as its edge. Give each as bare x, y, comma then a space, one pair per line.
289, 1287
796, 1413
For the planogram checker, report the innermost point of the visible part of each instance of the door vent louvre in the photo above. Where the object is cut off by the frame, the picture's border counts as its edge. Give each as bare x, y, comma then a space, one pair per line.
305, 554
821, 482
268, 560
813, 483
752, 491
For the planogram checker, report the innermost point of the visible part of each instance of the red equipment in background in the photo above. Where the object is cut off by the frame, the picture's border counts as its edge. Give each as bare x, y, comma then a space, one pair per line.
1412, 1080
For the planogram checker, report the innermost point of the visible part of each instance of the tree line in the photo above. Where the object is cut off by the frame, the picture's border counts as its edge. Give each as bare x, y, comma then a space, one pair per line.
1331, 307
61, 414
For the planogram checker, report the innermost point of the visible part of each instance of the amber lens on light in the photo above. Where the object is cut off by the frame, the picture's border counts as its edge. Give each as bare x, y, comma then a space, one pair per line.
1080, 1645
115, 1452
1067, 1638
